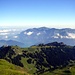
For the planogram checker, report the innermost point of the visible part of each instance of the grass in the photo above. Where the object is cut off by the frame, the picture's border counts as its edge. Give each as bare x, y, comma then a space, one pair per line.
64, 71
29, 67
7, 68
17, 49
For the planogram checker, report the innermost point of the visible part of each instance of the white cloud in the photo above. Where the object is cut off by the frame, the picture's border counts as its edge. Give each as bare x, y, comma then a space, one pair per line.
29, 33
4, 33
71, 35
15, 36
6, 37
38, 33
68, 36
55, 37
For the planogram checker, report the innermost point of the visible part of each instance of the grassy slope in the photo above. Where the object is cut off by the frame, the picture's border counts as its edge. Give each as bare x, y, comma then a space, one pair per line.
65, 71
31, 68
7, 68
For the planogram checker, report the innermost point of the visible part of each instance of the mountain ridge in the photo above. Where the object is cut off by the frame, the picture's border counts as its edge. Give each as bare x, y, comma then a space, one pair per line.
45, 35
11, 42
42, 58
33, 36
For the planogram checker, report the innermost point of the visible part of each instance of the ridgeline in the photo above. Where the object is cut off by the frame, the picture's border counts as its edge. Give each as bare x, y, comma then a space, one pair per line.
42, 59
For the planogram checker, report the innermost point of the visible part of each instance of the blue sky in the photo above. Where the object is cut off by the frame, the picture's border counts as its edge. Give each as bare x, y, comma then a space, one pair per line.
38, 13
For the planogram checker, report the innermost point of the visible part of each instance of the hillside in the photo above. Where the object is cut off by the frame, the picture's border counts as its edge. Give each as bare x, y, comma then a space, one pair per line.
7, 68
42, 59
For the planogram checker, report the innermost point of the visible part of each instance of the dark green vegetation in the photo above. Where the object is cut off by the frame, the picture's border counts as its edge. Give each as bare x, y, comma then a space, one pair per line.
43, 59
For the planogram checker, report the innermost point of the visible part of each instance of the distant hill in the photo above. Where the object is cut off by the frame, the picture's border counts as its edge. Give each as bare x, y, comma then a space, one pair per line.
42, 59
11, 42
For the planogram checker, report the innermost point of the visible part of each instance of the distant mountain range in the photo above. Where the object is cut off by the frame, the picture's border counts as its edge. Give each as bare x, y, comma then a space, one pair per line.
45, 35
11, 42
33, 36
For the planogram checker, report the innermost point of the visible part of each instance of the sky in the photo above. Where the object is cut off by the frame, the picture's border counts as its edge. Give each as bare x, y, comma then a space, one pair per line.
37, 13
